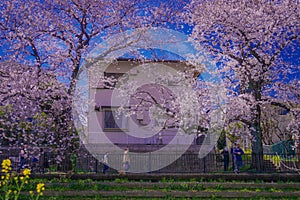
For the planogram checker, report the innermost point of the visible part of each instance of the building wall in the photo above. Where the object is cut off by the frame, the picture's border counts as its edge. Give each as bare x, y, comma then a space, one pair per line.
136, 130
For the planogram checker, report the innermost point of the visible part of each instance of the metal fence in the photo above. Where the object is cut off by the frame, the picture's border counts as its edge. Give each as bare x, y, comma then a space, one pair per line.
187, 163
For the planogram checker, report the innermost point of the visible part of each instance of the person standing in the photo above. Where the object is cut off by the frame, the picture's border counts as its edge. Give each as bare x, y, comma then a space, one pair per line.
23, 155
105, 163
126, 160
225, 154
42, 161
238, 152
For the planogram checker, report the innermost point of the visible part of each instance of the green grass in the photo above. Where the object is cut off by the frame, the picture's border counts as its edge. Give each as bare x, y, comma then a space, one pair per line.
165, 186
120, 185
96, 197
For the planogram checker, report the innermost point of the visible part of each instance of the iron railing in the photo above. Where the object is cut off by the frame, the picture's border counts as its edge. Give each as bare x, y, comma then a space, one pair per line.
187, 163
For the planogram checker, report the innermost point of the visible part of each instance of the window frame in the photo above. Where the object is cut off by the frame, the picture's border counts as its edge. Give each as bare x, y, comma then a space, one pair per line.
116, 128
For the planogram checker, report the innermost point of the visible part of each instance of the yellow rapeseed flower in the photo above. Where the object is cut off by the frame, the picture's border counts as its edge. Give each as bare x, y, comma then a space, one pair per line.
6, 166
26, 173
39, 188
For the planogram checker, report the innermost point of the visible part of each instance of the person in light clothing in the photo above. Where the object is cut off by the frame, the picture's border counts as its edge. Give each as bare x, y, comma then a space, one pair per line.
105, 163
126, 160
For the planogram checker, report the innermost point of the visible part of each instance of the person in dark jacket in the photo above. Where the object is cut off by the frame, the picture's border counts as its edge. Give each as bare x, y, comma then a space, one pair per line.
23, 156
42, 161
238, 152
225, 154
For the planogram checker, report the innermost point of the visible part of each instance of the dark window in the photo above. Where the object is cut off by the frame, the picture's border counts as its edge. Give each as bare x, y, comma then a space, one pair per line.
114, 121
114, 76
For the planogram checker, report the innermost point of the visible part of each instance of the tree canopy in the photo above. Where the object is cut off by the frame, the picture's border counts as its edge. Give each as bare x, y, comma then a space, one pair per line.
255, 42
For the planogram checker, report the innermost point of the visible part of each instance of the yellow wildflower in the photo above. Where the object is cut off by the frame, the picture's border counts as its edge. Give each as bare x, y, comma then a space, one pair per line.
40, 187
6, 164
26, 173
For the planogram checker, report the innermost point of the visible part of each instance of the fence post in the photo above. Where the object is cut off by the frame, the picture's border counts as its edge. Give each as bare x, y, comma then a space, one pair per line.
96, 167
204, 165
149, 160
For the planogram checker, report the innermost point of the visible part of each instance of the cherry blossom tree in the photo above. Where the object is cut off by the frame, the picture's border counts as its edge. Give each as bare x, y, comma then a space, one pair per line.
34, 108
186, 110
51, 39
58, 34
255, 42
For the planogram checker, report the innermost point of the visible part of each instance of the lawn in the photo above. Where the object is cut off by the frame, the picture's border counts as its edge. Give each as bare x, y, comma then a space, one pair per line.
165, 188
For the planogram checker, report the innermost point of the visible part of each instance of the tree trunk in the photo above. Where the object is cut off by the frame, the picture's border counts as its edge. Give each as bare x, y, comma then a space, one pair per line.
257, 146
